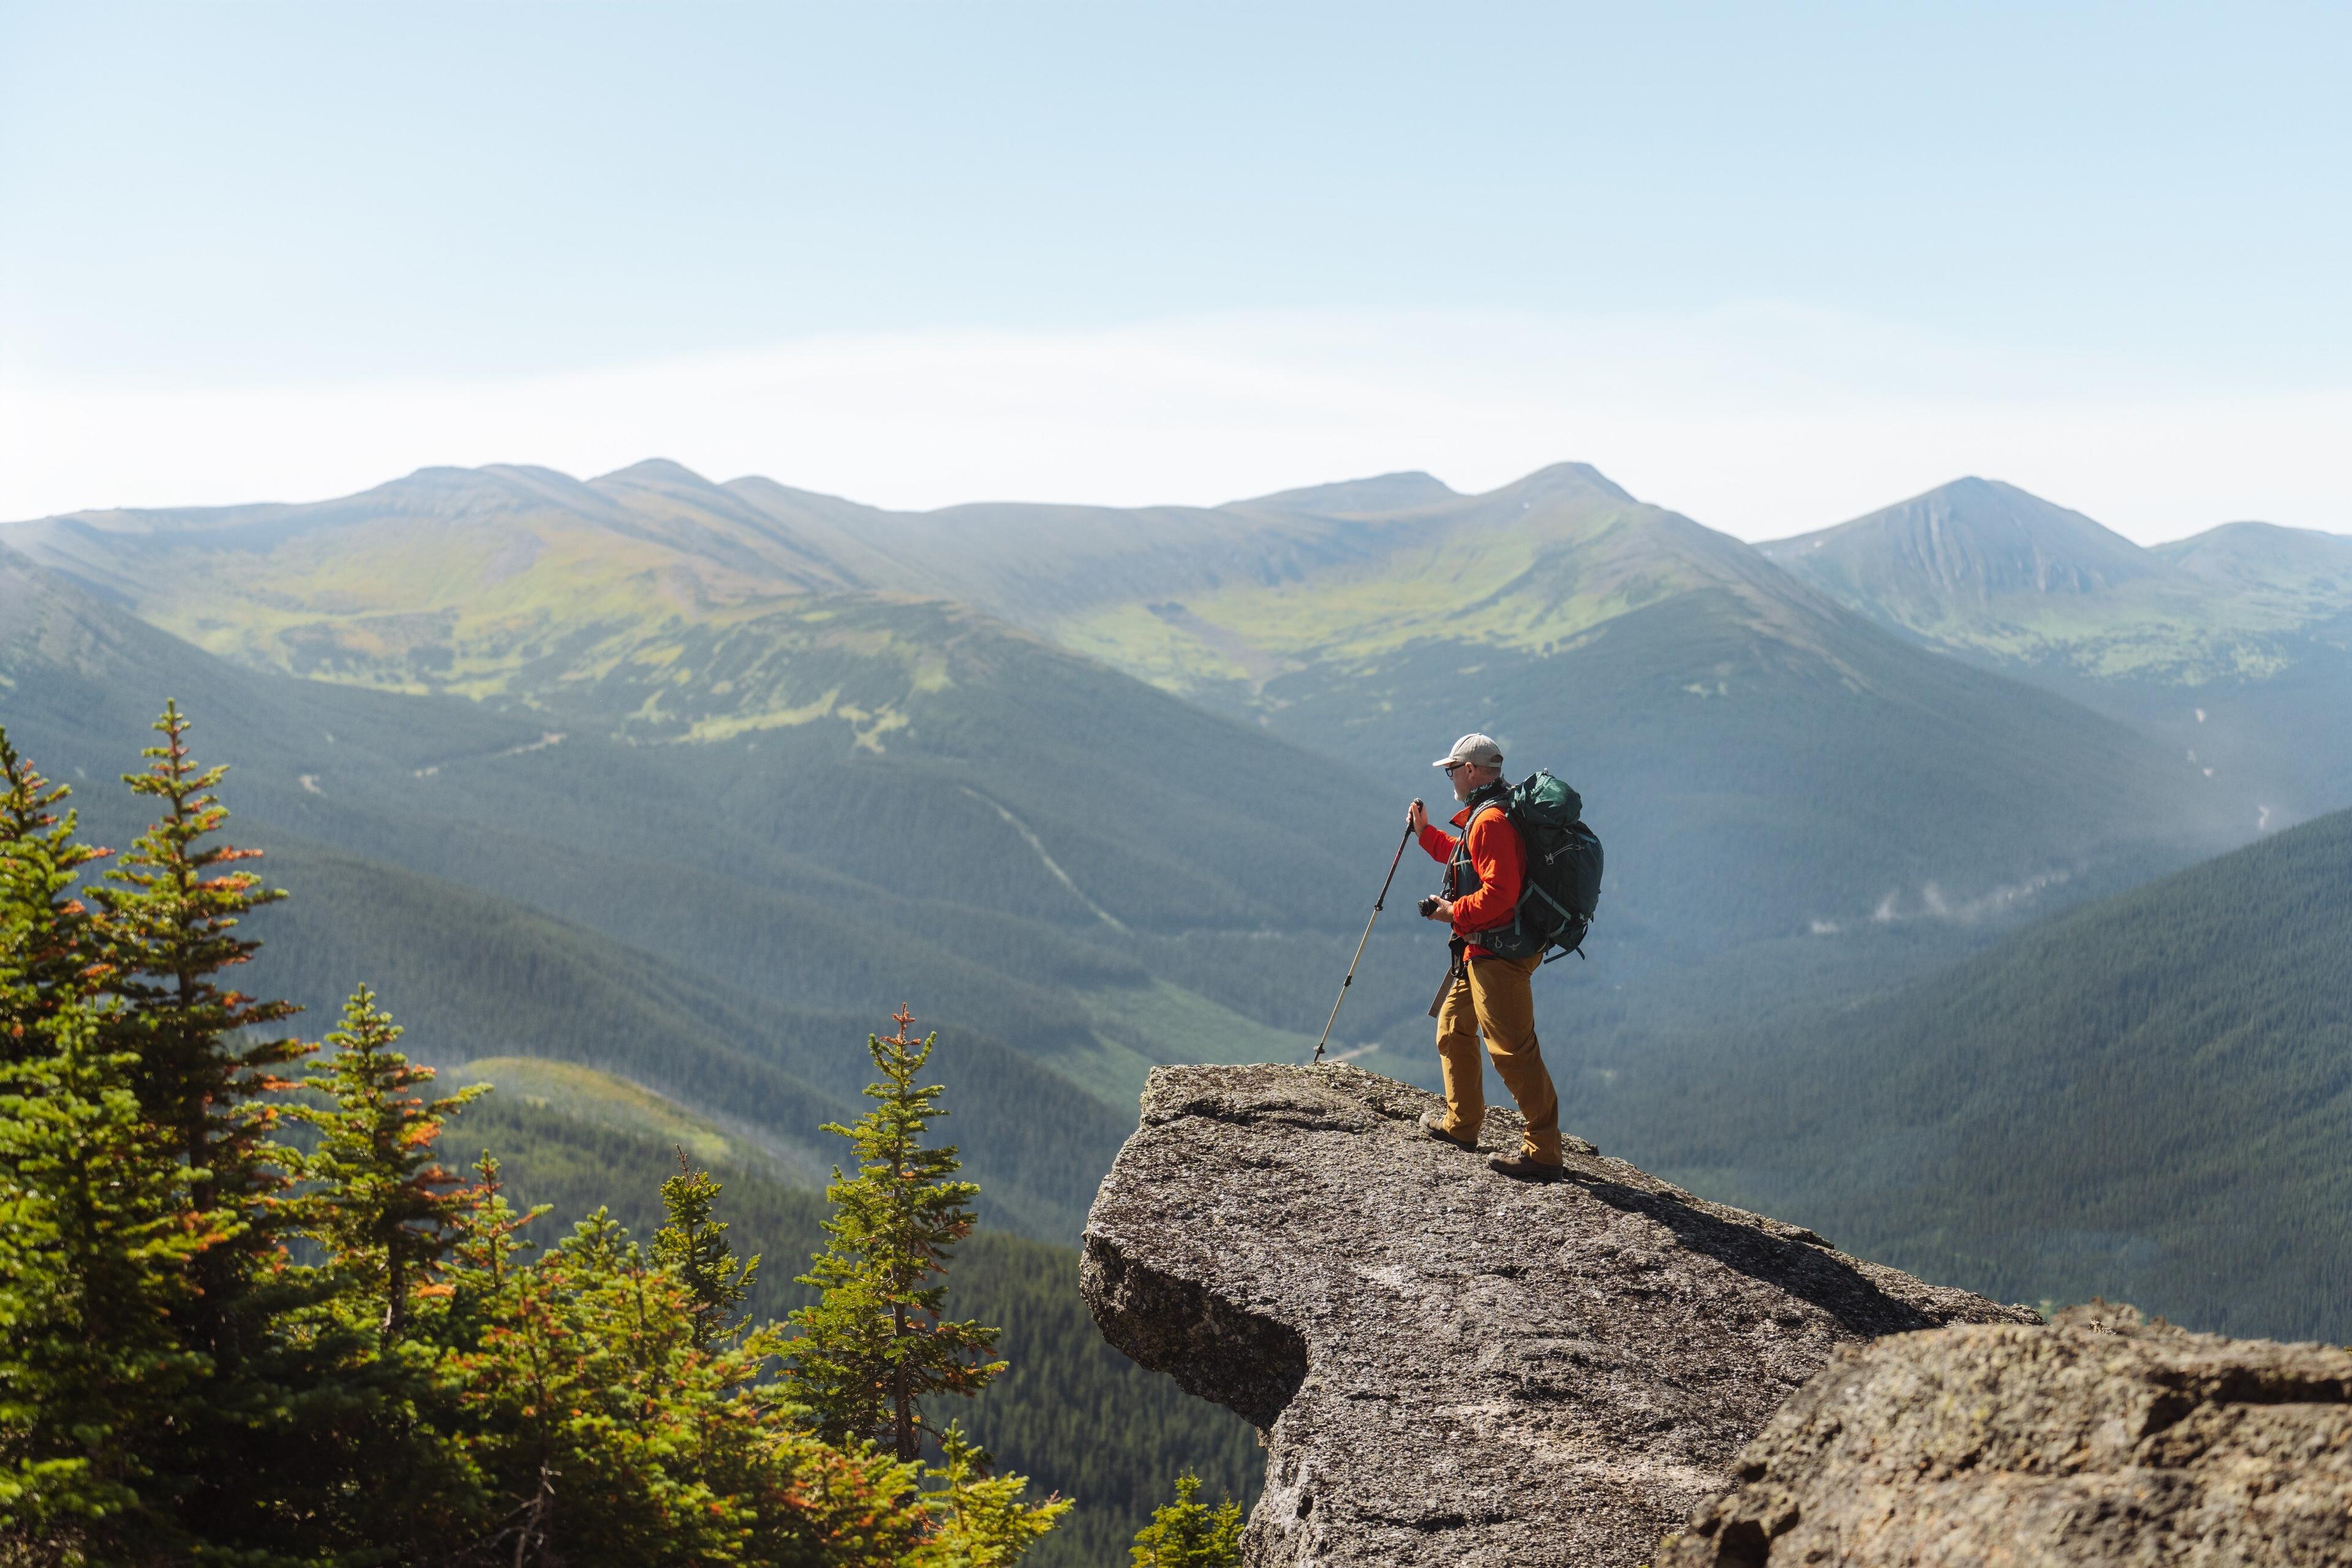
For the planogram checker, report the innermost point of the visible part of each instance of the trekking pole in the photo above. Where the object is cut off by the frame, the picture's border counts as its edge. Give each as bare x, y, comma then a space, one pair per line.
1393, 861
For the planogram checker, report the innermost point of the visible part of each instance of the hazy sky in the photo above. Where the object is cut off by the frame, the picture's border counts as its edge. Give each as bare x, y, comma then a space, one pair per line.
1771, 265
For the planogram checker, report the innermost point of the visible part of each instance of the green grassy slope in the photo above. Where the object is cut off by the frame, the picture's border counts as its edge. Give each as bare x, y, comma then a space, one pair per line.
605, 1099
649, 601
1072, 1414
644, 655
2147, 1098
957, 761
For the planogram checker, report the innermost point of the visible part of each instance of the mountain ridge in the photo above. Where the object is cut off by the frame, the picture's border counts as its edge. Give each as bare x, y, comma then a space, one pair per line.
749, 613
2233, 645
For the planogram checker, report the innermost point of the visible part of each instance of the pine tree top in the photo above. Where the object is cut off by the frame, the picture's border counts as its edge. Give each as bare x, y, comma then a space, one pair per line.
693, 1245
878, 1342
1188, 1533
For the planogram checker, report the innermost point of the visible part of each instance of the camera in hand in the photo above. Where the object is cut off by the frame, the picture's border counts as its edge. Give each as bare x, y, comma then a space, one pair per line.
1429, 907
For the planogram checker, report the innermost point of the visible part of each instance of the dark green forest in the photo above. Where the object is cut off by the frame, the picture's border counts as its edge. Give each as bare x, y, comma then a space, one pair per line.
2149, 1097
479, 976
248, 1314
1072, 1414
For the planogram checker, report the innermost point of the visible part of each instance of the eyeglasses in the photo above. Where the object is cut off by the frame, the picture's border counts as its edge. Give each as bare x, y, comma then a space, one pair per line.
1457, 767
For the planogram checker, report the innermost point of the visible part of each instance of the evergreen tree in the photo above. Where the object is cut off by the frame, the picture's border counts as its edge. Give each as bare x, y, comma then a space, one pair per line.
694, 1247
48, 951
93, 1251
980, 1519
95, 1244
601, 1432
292, 1407
176, 1386
206, 1070
877, 1344
487, 1242
384, 1209
611, 1421
1188, 1533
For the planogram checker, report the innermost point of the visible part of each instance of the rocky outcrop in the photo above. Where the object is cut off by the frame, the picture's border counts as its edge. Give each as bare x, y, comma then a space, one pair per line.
2100, 1439
1448, 1366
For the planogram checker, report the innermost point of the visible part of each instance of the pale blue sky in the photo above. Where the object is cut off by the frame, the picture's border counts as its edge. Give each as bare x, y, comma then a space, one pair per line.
1988, 217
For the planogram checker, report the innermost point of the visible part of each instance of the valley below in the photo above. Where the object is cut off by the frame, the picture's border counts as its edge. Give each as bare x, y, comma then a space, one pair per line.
1979, 883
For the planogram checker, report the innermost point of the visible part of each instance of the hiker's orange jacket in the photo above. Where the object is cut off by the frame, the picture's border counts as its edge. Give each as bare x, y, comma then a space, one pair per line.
1501, 862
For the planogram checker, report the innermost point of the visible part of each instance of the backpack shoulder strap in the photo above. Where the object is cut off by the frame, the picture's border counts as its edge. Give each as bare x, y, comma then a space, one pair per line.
1500, 800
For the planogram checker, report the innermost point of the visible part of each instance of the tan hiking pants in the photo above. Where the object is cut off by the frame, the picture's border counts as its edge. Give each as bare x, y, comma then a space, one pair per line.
1495, 998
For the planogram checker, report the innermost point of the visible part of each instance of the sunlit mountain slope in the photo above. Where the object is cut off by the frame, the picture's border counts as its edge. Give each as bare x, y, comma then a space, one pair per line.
1040, 876
1766, 761
1770, 761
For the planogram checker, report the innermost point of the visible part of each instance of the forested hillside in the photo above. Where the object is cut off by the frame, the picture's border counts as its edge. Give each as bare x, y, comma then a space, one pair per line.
477, 976
248, 1314
866, 770
308, 1196
1072, 1414
1057, 865
2149, 1097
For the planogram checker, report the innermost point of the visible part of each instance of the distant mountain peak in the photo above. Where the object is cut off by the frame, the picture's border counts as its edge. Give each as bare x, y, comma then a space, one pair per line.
2251, 531
440, 487
1980, 500
2303, 562
1959, 548
1406, 491
1557, 477
1974, 485
654, 471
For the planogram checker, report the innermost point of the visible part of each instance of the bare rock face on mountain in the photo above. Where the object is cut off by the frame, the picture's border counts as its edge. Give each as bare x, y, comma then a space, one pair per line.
2101, 1439
1448, 1366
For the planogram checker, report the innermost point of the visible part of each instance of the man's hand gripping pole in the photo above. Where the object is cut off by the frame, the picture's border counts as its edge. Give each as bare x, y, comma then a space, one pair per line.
1393, 861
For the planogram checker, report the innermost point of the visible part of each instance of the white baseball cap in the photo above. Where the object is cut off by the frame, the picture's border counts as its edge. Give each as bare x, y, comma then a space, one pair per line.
1473, 747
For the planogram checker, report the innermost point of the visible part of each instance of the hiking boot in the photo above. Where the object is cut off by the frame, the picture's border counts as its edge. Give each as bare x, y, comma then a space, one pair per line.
1520, 1168
1434, 1124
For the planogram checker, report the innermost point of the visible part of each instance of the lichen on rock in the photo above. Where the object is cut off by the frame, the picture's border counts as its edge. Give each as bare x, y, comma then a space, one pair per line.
1448, 1366
2101, 1439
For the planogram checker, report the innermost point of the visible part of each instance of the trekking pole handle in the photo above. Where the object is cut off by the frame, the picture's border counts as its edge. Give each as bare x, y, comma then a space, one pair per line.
1381, 903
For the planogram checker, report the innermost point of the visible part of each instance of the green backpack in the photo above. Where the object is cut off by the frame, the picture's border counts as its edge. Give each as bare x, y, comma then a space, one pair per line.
1562, 889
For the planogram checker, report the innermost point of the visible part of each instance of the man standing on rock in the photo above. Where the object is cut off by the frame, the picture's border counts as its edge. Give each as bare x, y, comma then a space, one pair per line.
1485, 869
